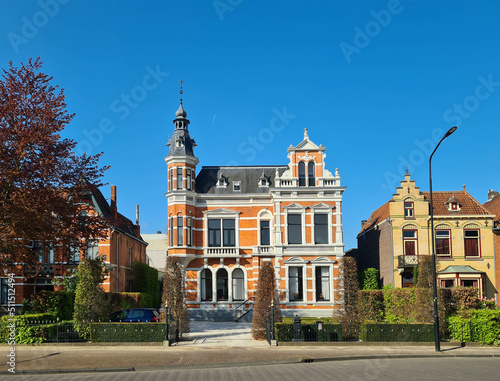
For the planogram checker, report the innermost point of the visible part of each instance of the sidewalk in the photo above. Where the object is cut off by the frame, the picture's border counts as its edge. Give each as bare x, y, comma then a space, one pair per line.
216, 345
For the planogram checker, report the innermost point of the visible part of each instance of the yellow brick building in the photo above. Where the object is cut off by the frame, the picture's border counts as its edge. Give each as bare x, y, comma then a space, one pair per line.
397, 234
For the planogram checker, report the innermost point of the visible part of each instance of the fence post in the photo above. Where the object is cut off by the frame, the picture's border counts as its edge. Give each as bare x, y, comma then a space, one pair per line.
167, 333
297, 329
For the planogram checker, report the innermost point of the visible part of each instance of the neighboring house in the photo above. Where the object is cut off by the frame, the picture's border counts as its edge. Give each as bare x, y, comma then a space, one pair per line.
493, 205
122, 246
157, 251
398, 233
226, 221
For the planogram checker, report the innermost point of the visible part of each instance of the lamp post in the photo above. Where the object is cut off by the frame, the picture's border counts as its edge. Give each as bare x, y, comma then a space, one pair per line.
434, 275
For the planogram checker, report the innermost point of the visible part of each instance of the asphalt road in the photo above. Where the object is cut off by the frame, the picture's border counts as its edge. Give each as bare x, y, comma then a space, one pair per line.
421, 369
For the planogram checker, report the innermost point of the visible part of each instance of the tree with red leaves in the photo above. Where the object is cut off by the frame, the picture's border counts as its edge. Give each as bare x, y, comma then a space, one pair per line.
44, 185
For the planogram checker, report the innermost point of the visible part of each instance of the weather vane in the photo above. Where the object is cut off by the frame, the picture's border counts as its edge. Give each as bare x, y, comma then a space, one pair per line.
180, 92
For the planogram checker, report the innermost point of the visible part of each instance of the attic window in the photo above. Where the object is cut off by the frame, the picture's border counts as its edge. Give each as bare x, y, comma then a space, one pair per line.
221, 182
237, 186
263, 183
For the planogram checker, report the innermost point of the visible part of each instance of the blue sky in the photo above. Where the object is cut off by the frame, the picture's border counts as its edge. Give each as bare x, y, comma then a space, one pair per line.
376, 82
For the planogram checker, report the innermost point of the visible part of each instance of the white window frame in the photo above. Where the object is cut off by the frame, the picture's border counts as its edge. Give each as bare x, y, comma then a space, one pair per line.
295, 209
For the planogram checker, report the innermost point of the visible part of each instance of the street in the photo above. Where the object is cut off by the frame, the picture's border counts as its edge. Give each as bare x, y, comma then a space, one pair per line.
420, 369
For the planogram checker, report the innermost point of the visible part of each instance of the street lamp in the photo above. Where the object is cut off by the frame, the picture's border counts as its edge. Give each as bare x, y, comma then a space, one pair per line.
434, 276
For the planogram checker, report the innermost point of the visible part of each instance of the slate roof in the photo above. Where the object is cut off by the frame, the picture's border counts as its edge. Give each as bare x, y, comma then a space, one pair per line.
249, 176
122, 223
459, 269
468, 204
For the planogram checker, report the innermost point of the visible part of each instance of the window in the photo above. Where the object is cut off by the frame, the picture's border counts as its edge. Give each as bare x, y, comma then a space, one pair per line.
410, 242
443, 243
50, 258
238, 285
310, 174
188, 174
322, 283
171, 182
189, 231
222, 286
206, 285
409, 213
43, 285
295, 284
237, 186
468, 283
302, 174
179, 178
180, 237
447, 283
265, 236
171, 231
320, 228
227, 227
228, 233
92, 249
294, 228
74, 254
471, 238
4, 291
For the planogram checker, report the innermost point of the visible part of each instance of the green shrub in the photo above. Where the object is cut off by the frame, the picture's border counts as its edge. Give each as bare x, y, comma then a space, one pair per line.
399, 305
146, 282
60, 303
26, 330
483, 326
397, 332
368, 279
127, 332
372, 305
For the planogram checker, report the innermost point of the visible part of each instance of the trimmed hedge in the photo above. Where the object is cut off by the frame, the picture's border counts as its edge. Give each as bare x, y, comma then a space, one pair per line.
483, 326
309, 332
26, 332
397, 332
127, 332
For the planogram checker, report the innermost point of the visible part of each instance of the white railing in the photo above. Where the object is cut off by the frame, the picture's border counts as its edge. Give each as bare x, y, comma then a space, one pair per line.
221, 251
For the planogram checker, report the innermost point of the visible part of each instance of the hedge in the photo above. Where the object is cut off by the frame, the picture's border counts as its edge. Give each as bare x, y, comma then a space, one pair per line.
127, 332
397, 332
309, 332
26, 332
483, 326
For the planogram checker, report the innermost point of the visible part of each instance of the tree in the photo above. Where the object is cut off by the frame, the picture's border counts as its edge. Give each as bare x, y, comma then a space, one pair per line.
90, 298
266, 292
43, 183
174, 295
368, 279
424, 293
349, 315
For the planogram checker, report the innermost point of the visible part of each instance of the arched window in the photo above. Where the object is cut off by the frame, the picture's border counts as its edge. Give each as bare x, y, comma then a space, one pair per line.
302, 174
206, 285
222, 286
238, 285
311, 174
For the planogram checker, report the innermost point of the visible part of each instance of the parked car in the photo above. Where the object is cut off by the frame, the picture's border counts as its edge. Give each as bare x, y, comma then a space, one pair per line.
135, 315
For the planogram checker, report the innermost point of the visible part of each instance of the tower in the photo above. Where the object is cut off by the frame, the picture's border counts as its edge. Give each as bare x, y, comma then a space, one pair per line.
181, 167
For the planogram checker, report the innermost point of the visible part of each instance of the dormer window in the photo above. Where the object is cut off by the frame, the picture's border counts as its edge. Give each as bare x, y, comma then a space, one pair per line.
237, 186
453, 204
179, 142
221, 182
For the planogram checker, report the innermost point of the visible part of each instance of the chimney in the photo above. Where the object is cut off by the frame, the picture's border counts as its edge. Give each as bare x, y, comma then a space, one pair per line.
114, 210
137, 227
491, 194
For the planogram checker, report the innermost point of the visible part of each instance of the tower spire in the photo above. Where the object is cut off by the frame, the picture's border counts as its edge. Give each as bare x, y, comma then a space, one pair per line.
180, 91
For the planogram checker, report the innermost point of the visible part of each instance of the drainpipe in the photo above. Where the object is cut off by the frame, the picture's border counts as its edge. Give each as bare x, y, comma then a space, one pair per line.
392, 249
118, 234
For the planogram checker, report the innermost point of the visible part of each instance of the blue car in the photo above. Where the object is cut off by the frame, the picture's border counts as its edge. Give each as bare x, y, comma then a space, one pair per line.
135, 315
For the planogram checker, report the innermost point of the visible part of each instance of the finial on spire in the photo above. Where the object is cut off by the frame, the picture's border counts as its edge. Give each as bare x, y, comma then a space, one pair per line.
306, 133
407, 172
181, 92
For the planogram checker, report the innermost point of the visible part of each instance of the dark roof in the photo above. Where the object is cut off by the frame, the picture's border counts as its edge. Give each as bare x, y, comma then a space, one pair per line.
248, 176
493, 206
468, 205
122, 223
